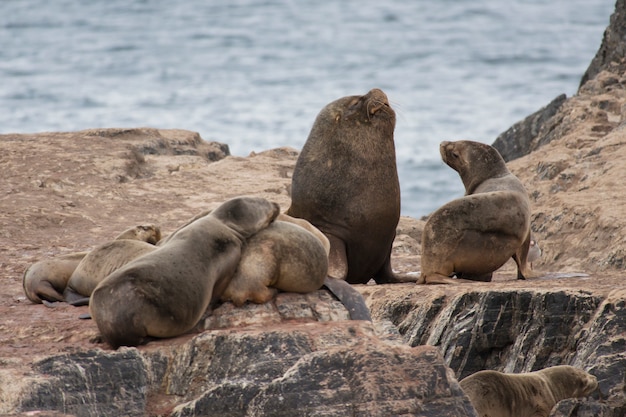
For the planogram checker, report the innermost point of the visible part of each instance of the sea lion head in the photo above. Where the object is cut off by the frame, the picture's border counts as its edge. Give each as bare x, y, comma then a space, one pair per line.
149, 233
568, 381
246, 215
474, 161
355, 112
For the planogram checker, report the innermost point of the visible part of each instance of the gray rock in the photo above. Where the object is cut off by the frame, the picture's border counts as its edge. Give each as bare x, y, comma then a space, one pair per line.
612, 51
522, 331
529, 134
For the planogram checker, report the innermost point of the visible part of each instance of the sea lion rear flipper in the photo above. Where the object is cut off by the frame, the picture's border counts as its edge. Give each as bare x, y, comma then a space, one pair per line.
77, 302
349, 297
74, 298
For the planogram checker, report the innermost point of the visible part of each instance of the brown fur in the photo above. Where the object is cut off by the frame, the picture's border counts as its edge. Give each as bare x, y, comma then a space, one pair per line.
149, 233
284, 256
106, 258
346, 184
533, 394
164, 293
474, 235
47, 279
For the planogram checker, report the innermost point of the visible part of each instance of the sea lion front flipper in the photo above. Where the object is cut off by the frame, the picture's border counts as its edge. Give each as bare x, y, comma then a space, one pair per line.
349, 297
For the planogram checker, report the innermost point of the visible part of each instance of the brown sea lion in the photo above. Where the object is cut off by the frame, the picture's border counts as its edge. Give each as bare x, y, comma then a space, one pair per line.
149, 233
47, 279
284, 256
165, 293
106, 258
345, 183
474, 235
532, 394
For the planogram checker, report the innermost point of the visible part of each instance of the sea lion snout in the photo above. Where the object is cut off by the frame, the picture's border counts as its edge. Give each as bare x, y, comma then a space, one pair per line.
376, 101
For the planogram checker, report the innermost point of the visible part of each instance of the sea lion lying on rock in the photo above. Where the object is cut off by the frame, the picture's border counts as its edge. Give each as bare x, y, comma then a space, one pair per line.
532, 394
165, 293
285, 256
474, 235
47, 280
106, 258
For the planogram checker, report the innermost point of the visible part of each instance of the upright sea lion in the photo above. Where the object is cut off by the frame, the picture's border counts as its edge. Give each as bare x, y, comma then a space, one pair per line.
106, 258
532, 394
284, 256
346, 184
46, 280
474, 235
164, 293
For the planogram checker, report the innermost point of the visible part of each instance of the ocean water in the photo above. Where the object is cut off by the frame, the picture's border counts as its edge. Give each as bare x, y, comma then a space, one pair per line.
254, 74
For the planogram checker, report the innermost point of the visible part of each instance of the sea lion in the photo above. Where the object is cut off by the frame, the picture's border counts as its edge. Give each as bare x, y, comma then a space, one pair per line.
474, 235
345, 183
149, 233
165, 293
532, 394
106, 258
46, 280
284, 256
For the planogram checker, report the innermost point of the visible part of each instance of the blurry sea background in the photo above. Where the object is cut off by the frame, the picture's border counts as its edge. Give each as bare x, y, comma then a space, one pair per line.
254, 74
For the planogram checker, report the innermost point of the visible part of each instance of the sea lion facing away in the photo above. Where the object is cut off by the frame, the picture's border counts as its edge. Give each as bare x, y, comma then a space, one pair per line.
532, 394
346, 184
474, 235
164, 293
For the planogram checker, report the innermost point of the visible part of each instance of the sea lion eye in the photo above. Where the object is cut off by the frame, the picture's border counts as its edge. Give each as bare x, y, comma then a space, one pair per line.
354, 102
455, 155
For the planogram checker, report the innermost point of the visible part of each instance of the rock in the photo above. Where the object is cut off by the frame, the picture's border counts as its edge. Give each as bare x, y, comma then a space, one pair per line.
520, 139
612, 53
67, 192
518, 330
292, 369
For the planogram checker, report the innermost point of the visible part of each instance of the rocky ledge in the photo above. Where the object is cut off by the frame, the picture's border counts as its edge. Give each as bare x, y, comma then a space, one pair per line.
299, 355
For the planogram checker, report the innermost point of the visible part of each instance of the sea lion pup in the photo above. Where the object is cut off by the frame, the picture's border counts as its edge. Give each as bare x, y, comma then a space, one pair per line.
345, 183
106, 258
474, 235
532, 394
47, 279
164, 293
285, 256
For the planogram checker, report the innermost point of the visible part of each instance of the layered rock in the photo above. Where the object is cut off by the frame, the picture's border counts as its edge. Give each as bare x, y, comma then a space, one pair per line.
299, 365
518, 330
66, 192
